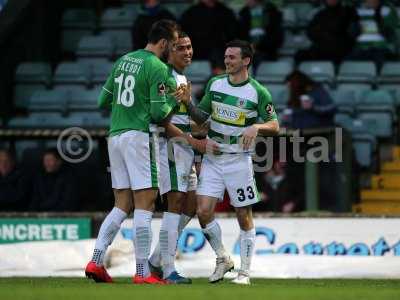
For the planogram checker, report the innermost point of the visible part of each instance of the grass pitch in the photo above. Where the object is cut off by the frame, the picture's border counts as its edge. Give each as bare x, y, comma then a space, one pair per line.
266, 289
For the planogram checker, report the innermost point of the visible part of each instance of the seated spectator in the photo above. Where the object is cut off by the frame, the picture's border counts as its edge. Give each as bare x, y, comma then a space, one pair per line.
55, 188
15, 185
310, 105
210, 25
377, 38
332, 31
260, 23
276, 191
151, 12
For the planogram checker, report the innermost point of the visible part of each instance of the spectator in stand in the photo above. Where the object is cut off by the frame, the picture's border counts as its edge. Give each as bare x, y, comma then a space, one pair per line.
261, 24
55, 188
210, 25
310, 105
377, 40
332, 31
276, 191
151, 12
15, 185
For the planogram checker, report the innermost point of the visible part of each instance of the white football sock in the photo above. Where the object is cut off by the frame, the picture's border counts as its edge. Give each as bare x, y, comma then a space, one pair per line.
142, 240
168, 241
184, 220
247, 242
108, 230
213, 234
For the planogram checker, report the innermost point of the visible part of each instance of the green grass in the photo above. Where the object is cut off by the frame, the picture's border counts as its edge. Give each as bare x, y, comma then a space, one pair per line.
266, 289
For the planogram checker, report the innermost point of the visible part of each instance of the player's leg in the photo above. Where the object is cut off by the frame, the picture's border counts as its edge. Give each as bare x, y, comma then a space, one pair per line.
243, 194
247, 242
141, 155
210, 190
112, 223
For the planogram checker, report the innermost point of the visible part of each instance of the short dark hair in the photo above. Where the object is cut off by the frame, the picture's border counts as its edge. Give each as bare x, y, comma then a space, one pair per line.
245, 48
52, 151
183, 35
163, 29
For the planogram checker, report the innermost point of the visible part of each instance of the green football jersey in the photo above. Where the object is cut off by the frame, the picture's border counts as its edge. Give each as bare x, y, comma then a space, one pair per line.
136, 92
233, 108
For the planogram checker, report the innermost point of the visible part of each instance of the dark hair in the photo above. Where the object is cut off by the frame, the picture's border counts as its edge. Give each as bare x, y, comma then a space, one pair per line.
245, 48
163, 29
52, 151
9, 153
300, 84
183, 34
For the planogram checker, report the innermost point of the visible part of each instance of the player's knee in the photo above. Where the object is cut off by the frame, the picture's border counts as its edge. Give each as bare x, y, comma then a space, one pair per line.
204, 214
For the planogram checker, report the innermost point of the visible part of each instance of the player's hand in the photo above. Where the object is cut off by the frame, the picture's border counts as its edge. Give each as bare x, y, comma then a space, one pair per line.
249, 136
187, 93
206, 146
178, 94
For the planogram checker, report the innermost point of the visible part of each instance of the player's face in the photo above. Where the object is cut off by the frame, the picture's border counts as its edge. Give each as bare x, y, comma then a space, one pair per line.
182, 56
234, 62
169, 46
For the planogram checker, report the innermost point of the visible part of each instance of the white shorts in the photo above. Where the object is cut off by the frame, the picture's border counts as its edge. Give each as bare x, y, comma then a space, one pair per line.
233, 172
176, 167
134, 160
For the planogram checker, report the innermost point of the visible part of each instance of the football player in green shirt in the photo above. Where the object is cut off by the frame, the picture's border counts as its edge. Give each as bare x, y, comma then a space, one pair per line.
136, 93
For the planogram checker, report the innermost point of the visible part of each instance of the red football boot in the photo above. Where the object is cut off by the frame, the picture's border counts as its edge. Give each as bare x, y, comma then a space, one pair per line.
97, 273
151, 279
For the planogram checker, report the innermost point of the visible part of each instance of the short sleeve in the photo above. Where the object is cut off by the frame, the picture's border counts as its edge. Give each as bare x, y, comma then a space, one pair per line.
107, 92
205, 103
266, 108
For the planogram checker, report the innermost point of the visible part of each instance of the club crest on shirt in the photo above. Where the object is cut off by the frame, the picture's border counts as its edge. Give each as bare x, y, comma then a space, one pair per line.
241, 102
269, 109
162, 89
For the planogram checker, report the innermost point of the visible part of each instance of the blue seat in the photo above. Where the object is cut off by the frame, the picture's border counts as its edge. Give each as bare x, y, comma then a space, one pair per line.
38, 120
100, 72
33, 73
345, 101
199, 71
364, 143
96, 46
72, 73
292, 43
49, 101
279, 94
357, 72
23, 92
274, 72
359, 89
322, 71
71, 37
390, 73
118, 18
122, 39
84, 100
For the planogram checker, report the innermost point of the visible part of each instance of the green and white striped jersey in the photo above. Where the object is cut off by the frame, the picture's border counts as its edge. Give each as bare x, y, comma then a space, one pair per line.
181, 117
233, 108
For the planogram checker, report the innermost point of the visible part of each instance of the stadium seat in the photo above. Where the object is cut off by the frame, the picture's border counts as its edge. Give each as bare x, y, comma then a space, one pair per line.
71, 38
364, 143
274, 72
357, 72
344, 121
394, 90
302, 11
34, 73
122, 39
117, 18
49, 101
390, 73
39, 120
177, 9
199, 71
322, 71
100, 72
95, 47
23, 92
289, 18
279, 94
83, 100
79, 19
69, 74
292, 43
358, 89
378, 107
91, 119
345, 101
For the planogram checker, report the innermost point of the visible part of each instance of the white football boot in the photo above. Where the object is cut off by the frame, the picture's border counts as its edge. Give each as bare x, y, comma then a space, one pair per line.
242, 278
224, 265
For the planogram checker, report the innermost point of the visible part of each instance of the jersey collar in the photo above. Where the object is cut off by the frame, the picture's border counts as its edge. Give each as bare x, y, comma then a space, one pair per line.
239, 84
